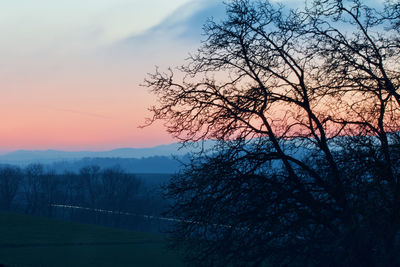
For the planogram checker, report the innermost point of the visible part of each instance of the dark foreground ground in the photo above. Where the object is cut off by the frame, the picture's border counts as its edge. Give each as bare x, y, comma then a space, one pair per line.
33, 241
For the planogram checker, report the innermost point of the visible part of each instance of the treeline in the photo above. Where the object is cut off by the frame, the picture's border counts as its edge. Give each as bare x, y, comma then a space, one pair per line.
156, 164
105, 196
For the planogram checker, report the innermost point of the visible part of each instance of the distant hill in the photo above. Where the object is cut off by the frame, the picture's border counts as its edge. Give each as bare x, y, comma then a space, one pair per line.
155, 160
24, 157
153, 165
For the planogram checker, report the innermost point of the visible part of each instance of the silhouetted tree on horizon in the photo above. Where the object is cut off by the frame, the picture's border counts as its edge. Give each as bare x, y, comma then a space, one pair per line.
305, 104
32, 187
10, 179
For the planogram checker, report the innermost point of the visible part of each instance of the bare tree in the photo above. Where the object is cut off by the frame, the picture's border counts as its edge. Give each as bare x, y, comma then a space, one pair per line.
91, 182
32, 187
305, 104
117, 188
50, 192
10, 179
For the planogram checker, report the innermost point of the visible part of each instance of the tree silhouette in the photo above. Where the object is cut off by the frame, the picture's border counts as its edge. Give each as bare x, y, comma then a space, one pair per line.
305, 104
33, 174
10, 179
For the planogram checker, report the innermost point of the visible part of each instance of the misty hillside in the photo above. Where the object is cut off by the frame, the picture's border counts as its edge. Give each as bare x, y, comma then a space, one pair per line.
155, 165
24, 157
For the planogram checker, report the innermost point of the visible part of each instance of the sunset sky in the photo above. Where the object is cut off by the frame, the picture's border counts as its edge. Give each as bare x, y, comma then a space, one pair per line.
70, 70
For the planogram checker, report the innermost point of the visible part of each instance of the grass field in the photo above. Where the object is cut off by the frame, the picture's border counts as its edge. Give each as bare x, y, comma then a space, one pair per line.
33, 241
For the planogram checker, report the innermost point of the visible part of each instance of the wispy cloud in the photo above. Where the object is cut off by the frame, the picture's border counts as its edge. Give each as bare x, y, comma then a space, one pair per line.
186, 22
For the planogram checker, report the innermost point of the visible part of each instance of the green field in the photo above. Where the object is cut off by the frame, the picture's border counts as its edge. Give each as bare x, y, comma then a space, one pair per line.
33, 241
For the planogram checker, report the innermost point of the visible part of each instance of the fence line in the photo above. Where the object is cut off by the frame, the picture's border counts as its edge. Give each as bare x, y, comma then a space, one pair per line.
116, 212
136, 215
